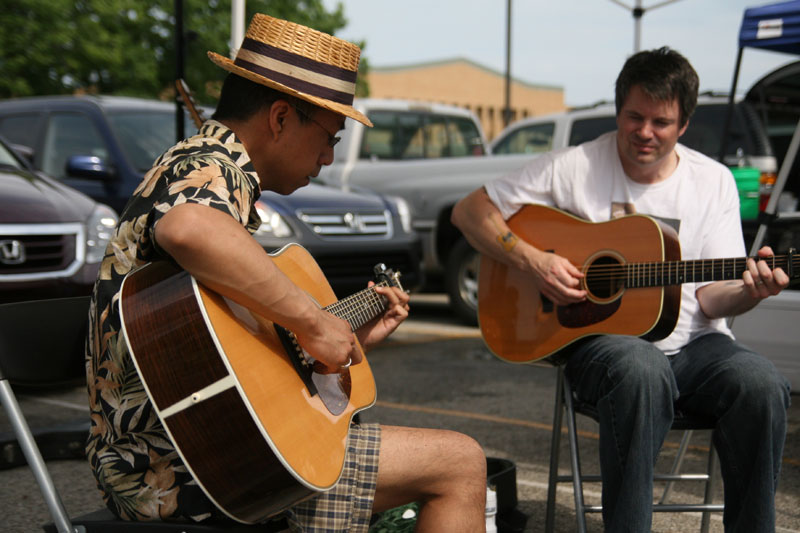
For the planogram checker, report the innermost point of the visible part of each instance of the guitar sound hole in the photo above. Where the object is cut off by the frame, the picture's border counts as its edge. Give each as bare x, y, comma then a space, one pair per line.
604, 278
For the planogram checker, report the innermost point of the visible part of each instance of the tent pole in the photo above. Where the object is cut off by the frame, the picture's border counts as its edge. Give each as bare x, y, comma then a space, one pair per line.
777, 189
723, 146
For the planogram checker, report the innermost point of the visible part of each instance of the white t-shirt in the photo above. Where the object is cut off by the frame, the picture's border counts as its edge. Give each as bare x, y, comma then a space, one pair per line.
699, 200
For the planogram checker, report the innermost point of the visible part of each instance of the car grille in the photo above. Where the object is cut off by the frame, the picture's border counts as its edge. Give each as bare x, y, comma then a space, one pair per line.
38, 251
332, 224
348, 274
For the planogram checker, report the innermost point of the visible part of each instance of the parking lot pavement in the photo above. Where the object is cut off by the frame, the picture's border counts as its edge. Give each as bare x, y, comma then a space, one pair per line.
442, 376
453, 381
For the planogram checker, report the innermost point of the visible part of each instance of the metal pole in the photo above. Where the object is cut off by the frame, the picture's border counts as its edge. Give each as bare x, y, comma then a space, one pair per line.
780, 183
637, 12
179, 54
237, 26
507, 108
723, 145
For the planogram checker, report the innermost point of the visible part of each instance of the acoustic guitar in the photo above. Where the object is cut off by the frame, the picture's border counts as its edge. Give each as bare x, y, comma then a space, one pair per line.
257, 427
632, 274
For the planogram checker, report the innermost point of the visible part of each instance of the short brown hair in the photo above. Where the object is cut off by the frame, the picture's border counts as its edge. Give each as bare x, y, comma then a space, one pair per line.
663, 74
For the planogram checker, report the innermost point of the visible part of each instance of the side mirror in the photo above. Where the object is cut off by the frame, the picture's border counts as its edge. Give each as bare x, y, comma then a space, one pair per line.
90, 167
23, 151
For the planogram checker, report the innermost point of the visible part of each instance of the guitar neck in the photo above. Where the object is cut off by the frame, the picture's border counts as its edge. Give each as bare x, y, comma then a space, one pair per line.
188, 102
361, 307
659, 274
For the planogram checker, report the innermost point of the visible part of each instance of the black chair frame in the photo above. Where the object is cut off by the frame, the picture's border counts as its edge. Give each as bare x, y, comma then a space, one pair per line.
567, 404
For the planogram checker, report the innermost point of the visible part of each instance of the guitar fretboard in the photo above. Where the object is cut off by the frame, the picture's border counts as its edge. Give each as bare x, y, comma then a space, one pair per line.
361, 307
659, 274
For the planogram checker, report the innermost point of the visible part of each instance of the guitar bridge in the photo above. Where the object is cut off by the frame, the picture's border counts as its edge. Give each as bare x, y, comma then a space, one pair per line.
301, 365
547, 303
332, 389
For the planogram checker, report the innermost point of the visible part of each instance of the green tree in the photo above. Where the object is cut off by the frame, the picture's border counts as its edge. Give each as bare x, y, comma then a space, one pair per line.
128, 46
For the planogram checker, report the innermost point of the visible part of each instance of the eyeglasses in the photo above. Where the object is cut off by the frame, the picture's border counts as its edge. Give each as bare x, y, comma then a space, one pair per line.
332, 139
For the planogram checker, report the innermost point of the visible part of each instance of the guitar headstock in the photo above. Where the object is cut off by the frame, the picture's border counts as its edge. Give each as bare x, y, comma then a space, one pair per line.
189, 103
387, 275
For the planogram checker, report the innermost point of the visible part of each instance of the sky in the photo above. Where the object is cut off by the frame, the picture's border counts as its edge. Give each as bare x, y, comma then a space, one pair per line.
577, 45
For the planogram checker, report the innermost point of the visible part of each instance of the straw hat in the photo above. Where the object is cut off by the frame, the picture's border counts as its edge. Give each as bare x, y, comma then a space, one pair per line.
299, 61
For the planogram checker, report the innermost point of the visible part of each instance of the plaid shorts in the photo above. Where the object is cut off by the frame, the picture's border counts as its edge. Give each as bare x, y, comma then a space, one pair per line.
348, 505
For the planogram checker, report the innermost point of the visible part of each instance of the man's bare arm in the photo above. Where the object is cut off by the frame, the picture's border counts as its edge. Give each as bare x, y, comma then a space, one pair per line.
485, 229
223, 256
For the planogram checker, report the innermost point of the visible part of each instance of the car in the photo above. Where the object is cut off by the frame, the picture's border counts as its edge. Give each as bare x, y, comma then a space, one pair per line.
99, 145
431, 155
103, 145
768, 328
747, 145
52, 237
347, 233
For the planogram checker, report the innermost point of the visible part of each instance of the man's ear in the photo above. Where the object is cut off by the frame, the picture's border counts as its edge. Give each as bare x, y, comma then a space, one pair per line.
683, 129
277, 114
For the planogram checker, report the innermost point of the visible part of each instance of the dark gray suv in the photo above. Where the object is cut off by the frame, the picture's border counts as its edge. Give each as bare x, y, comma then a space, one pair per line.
103, 145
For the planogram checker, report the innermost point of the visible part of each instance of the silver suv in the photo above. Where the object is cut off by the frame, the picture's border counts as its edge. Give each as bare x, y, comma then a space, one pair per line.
747, 143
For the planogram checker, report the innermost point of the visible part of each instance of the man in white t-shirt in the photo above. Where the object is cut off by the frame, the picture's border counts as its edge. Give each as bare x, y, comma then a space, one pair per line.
699, 368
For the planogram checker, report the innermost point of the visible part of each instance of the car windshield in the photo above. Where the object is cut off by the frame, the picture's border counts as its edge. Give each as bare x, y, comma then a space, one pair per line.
590, 128
419, 135
704, 133
145, 135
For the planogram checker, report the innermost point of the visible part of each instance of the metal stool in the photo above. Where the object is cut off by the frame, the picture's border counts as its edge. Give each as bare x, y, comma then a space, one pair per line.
565, 401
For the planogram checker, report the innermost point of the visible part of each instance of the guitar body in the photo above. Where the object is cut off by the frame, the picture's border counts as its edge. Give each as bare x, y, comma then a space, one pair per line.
520, 326
245, 422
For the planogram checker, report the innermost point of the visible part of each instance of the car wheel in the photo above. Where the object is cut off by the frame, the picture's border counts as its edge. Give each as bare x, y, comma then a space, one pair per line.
461, 282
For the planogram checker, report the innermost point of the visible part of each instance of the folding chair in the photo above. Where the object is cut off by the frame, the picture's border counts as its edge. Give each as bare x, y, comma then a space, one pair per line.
42, 344
566, 402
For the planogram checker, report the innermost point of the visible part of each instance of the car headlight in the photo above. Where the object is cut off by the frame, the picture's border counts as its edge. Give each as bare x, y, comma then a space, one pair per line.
403, 211
272, 223
99, 230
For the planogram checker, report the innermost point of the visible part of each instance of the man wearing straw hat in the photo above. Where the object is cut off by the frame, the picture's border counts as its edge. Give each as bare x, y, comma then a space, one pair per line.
288, 93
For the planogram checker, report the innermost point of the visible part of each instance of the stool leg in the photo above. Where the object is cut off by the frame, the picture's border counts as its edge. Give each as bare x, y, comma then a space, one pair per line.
34, 457
710, 486
577, 480
676, 465
555, 446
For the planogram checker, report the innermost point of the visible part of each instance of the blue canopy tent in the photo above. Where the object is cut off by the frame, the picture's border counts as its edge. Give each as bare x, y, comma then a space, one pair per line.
774, 27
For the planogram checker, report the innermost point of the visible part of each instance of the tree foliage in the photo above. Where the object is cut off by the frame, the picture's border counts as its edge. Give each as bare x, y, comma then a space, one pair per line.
128, 46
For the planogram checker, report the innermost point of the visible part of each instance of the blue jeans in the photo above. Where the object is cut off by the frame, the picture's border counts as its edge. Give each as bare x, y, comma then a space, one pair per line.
637, 389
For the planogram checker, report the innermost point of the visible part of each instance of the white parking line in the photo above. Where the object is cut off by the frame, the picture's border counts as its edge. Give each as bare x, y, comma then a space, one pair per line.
61, 403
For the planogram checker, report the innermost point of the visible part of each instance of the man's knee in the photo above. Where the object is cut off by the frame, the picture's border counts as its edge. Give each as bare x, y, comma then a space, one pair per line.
432, 455
467, 456
628, 365
756, 381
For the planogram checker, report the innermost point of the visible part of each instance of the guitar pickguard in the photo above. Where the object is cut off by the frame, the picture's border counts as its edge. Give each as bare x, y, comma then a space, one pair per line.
585, 313
333, 389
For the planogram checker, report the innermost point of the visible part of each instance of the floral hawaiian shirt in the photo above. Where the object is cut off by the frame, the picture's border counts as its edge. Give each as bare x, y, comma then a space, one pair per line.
136, 466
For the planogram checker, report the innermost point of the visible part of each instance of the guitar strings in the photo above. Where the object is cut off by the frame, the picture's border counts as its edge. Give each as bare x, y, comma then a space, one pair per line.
777, 260
649, 269
361, 307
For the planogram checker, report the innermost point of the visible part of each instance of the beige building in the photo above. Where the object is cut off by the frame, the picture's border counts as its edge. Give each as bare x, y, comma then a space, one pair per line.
466, 84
